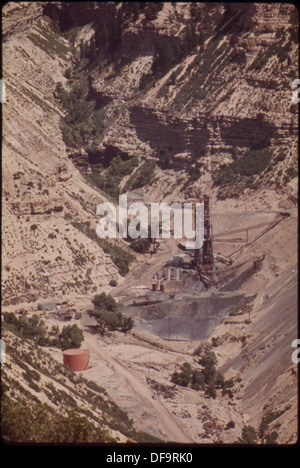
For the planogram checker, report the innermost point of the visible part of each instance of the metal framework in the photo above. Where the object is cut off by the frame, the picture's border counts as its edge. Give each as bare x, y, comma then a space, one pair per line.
204, 257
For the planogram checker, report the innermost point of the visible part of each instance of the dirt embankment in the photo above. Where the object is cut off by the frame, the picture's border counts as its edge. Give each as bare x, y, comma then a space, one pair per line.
131, 392
268, 372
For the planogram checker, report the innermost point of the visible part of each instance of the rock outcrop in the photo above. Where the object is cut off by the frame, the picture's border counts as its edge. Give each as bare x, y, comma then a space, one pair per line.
163, 101
227, 91
231, 93
44, 253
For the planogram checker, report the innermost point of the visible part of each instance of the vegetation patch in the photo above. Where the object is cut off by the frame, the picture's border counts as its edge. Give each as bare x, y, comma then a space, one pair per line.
208, 62
37, 423
168, 54
82, 124
280, 48
107, 315
109, 182
119, 256
206, 378
244, 309
34, 328
167, 391
142, 176
264, 435
240, 174
140, 245
83, 411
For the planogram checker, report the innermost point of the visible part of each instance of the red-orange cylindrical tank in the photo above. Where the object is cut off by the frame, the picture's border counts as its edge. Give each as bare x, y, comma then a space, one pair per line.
76, 359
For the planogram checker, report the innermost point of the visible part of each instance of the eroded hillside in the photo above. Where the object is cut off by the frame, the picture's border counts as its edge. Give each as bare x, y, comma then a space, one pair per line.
198, 103
162, 102
76, 409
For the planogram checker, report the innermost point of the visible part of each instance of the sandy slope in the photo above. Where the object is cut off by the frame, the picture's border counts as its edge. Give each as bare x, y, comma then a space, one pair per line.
150, 414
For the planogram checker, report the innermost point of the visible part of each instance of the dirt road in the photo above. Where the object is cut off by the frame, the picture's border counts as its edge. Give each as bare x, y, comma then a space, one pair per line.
145, 410
142, 274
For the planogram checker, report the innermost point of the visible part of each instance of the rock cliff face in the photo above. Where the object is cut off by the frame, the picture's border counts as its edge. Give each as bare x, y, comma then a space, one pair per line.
194, 86
161, 101
200, 81
44, 196
17, 18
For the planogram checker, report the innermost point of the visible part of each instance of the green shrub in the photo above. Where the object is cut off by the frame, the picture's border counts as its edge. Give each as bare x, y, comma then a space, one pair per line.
109, 182
94, 386
32, 376
271, 438
142, 176
183, 377
249, 435
281, 156
208, 378
146, 80
216, 341
236, 176
34, 328
82, 124
274, 49
107, 315
36, 424
292, 172
230, 425
119, 256
140, 245
198, 380
250, 163
267, 419
210, 391
71, 336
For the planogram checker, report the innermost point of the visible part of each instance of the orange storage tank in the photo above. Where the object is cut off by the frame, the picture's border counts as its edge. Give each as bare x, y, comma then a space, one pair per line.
76, 359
